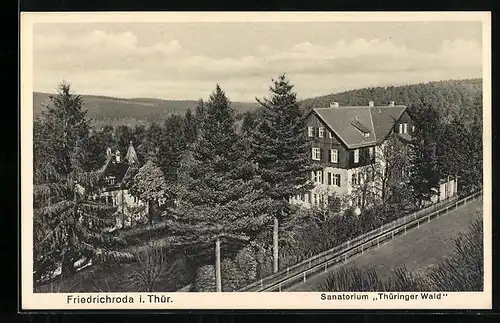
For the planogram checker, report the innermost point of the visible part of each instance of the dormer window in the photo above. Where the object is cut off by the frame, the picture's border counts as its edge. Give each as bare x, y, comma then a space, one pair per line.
321, 132
365, 132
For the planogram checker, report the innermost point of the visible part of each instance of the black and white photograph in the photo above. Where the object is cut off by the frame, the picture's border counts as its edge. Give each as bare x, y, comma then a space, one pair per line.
345, 159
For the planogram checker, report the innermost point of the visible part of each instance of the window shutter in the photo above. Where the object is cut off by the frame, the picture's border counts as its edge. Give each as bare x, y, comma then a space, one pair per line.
329, 178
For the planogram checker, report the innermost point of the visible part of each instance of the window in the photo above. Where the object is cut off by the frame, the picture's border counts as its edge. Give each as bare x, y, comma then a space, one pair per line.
366, 134
400, 128
355, 179
310, 131
321, 132
319, 176
405, 128
336, 180
330, 135
316, 153
356, 155
370, 151
334, 155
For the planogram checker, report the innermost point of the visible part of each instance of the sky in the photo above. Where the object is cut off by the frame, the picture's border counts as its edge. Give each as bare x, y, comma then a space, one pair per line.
184, 61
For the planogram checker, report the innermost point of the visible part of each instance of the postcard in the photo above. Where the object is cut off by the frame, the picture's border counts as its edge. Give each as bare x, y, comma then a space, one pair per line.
192, 160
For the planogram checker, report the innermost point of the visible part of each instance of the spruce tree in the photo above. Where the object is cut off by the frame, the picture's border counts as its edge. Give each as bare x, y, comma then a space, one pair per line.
190, 126
280, 149
66, 225
221, 197
171, 148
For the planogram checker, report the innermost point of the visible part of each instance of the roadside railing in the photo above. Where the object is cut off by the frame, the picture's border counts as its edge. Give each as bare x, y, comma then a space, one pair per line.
321, 262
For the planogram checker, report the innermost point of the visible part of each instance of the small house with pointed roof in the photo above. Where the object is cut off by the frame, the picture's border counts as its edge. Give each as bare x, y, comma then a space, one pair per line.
117, 174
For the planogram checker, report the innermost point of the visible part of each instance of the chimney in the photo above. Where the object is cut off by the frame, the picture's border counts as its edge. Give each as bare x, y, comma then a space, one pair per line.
334, 104
117, 155
108, 153
371, 104
391, 103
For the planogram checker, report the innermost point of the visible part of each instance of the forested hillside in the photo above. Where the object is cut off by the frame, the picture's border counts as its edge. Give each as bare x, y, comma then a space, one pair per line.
449, 97
141, 111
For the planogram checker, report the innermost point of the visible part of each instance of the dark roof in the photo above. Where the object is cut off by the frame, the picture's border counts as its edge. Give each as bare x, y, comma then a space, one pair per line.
117, 170
384, 119
349, 123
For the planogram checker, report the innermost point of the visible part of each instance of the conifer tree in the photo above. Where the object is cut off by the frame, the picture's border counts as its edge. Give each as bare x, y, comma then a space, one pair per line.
67, 226
221, 196
279, 147
190, 126
171, 148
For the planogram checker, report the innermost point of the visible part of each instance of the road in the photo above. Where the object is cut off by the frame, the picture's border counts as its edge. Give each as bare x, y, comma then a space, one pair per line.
418, 249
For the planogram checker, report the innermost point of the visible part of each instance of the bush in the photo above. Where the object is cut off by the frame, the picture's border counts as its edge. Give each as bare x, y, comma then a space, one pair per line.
205, 279
246, 265
230, 276
464, 270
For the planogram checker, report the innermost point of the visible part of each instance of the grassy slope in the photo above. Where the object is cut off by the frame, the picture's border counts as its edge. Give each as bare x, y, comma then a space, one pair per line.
418, 250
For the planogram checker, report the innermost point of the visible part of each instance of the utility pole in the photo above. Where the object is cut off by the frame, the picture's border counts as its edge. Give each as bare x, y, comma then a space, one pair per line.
218, 280
275, 244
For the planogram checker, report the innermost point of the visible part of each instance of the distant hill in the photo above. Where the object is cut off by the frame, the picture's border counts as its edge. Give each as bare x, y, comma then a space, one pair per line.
114, 111
449, 95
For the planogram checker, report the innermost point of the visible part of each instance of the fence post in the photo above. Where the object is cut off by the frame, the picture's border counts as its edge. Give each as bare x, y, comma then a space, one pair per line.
304, 276
429, 218
279, 287
326, 266
405, 229
261, 282
287, 270
378, 242
309, 263
345, 259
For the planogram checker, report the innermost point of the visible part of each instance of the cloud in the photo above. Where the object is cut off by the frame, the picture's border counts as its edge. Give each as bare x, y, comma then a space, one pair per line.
119, 63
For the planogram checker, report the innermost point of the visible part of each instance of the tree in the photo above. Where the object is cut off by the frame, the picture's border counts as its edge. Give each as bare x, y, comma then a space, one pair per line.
149, 185
190, 126
423, 158
221, 196
67, 226
171, 149
279, 147
60, 136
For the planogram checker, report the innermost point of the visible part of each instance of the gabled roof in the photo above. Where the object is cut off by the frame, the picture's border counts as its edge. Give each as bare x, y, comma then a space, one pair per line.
350, 123
384, 119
